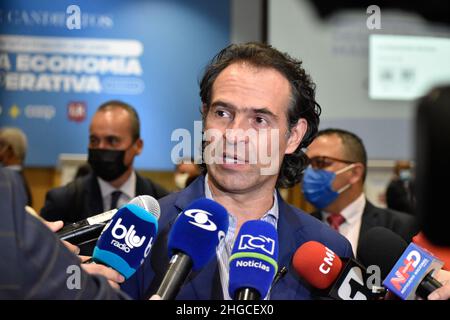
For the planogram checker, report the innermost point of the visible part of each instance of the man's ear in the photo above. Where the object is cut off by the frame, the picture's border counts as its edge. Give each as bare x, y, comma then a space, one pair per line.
139, 145
296, 135
357, 173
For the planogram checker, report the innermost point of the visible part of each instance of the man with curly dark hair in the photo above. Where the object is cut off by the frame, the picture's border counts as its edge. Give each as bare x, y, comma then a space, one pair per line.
260, 99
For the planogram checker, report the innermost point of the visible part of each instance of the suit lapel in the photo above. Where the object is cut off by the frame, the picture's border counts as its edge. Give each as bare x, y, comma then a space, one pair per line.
369, 219
141, 188
93, 196
206, 282
288, 229
317, 214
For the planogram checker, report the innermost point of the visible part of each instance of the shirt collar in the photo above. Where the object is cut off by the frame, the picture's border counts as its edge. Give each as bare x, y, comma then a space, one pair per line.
128, 188
273, 212
353, 211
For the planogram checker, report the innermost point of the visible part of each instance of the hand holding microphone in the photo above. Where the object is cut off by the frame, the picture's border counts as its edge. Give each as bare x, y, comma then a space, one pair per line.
114, 278
91, 227
127, 239
442, 293
125, 242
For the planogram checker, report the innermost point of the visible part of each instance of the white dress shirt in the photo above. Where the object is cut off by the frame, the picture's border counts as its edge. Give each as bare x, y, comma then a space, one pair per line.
353, 217
128, 191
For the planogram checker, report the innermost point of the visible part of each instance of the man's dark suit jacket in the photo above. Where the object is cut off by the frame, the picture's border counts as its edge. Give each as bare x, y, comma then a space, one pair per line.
34, 264
401, 223
400, 196
29, 199
81, 198
27, 188
294, 228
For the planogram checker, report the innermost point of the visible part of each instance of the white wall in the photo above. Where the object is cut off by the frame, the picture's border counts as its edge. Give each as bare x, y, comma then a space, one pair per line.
246, 20
335, 53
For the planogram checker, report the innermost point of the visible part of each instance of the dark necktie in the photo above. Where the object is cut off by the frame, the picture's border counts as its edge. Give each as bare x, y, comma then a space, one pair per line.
114, 198
335, 220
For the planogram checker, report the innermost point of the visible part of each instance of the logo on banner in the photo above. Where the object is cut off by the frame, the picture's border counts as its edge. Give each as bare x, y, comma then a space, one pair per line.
14, 111
44, 112
71, 18
76, 111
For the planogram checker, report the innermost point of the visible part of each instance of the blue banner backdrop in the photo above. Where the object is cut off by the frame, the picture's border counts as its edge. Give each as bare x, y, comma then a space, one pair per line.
59, 62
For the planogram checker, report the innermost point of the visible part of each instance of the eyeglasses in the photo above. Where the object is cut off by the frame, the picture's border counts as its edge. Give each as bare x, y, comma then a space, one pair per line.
322, 162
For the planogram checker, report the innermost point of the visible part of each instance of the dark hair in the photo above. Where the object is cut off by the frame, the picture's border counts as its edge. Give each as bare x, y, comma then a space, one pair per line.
354, 149
303, 103
135, 122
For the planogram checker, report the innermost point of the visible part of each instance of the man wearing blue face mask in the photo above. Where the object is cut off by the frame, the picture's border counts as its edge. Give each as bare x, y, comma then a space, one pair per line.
334, 184
400, 193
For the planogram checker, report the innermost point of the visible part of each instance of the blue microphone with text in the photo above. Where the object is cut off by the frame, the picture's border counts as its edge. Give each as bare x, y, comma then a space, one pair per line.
407, 270
253, 262
127, 239
412, 275
91, 228
192, 243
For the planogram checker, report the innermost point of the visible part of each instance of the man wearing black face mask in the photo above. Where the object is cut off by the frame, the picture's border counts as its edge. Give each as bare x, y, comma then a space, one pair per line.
114, 142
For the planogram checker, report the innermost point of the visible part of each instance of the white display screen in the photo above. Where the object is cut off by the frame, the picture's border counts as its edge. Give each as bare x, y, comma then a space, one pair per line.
407, 67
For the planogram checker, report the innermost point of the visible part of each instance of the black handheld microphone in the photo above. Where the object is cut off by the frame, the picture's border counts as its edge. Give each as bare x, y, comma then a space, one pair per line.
91, 228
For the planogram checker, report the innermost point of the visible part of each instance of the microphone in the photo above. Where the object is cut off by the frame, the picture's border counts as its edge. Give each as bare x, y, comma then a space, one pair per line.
127, 239
338, 279
192, 243
90, 228
380, 247
253, 262
407, 270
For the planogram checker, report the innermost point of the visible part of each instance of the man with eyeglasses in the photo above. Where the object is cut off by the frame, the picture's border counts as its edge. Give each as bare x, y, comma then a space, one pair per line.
334, 184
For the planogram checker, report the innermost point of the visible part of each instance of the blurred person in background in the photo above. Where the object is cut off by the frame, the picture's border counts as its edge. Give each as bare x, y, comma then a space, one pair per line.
400, 191
13, 150
186, 171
